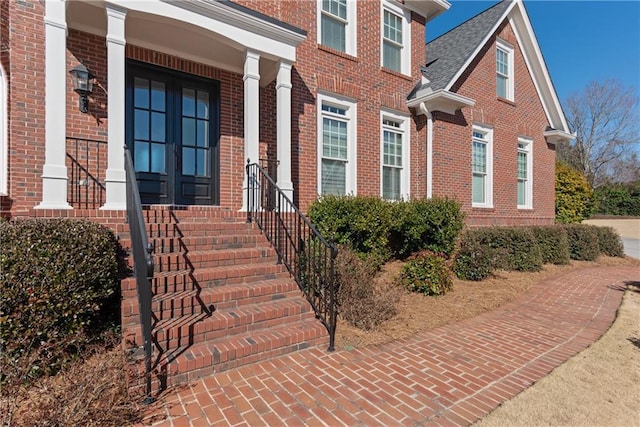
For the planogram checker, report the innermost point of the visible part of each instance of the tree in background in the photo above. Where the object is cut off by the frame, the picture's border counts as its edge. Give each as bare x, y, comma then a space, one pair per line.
605, 118
574, 197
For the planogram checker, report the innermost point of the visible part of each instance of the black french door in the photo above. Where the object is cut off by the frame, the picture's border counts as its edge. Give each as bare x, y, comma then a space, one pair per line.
172, 131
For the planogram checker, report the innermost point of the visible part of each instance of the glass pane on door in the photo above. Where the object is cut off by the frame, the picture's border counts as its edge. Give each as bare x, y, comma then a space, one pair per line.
150, 126
195, 133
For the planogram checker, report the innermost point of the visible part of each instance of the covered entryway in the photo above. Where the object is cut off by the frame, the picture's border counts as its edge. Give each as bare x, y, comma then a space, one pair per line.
172, 129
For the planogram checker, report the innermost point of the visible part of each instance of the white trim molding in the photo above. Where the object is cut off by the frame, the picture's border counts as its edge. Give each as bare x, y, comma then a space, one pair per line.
4, 143
340, 110
554, 136
485, 137
440, 100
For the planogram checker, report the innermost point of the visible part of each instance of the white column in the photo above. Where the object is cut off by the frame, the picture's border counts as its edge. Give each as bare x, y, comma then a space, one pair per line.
251, 115
283, 100
54, 170
115, 177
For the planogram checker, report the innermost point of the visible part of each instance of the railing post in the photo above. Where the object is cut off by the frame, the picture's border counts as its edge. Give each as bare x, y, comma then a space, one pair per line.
248, 191
333, 312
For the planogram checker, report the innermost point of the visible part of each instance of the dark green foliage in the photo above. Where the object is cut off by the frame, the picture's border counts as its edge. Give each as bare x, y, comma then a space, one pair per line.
427, 274
432, 224
57, 277
618, 199
362, 223
609, 242
486, 249
362, 302
474, 259
553, 243
583, 242
377, 230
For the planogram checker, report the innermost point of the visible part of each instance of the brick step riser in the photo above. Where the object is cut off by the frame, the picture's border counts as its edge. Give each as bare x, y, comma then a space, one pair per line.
177, 338
174, 262
179, 374
184, 244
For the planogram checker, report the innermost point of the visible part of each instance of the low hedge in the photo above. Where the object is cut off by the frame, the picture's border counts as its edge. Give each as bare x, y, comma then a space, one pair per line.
553, 243
609, 242
57, 279
583, 242
378, 230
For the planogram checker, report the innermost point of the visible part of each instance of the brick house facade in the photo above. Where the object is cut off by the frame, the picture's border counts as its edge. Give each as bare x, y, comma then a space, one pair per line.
270, 57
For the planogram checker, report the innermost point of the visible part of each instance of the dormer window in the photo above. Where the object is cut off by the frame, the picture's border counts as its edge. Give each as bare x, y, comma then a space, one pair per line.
504, 71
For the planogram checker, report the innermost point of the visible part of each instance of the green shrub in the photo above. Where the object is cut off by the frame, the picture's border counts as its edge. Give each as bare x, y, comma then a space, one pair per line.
474, 259
362, 302
583, 242
56, 279
427, 274
618, 199
425, 224
574, 197
553, 243
362, 223
378, 229
609, 242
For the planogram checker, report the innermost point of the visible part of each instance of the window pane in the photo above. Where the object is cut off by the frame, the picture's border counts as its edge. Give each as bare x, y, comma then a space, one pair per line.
478, 188
392, 149
392, 27
502, 62
157, 96
141, 93
188, 131
141, 156
202, 137
501, 86
203, 104
157, 158
333, 33
334, 136
335, 7
188, 161
522, 165
521, 192
158, 129
201, 170
188, 102
391, 183
479, 157
141, 125
333, 177
391, 56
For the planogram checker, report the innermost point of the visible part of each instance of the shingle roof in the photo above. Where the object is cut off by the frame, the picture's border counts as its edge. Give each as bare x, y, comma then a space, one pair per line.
448, 53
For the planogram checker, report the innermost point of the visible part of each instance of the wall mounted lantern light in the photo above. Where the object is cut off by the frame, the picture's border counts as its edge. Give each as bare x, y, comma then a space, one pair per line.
83, 85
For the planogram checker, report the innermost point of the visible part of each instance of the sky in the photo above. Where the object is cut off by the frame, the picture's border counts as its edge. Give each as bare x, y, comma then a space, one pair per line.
581, 40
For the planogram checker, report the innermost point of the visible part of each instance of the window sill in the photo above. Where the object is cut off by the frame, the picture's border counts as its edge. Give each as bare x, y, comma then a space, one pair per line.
395, 73
507, 101
337, 53
525, 208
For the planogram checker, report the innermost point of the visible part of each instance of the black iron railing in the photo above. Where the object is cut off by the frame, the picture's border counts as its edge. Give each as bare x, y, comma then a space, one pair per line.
308, 256
86, 160
142, 263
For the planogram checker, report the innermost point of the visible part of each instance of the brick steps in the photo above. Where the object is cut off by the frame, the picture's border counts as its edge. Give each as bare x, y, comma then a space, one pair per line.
187, 363
220, 299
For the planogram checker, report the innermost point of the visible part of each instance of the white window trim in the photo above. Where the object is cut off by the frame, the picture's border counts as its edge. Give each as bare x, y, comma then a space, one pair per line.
508, 48
397, 9
4, 148
351, 39
351, 184
528, 148
406, 151
488, 188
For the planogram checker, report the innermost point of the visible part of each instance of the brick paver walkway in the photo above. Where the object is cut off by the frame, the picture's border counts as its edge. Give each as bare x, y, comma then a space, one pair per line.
452, 375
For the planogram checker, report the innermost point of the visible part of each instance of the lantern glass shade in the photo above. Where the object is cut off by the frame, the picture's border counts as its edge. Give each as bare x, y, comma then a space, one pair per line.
82, 79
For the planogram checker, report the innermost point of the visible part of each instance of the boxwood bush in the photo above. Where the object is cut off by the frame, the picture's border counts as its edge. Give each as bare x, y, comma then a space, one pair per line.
57, 278
427, 274
609, 242
553, 243
583, 241
475, 260
378, 229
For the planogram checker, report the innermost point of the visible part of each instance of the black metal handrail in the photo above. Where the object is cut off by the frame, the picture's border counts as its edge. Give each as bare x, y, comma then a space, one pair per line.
86, 161
142, 263
308, 256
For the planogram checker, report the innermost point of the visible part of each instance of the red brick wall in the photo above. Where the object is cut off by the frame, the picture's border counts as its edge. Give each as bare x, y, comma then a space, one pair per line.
524, 117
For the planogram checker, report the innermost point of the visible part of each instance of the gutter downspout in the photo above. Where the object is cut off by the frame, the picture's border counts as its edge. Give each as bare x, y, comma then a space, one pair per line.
424, 110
